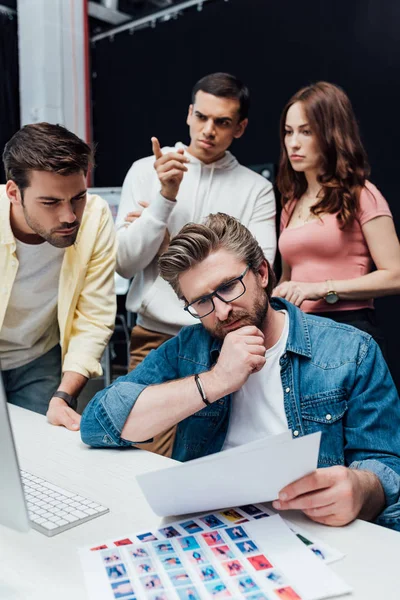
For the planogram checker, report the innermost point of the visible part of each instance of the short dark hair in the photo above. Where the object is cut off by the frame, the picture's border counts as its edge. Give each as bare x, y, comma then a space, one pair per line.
224, 85
45, 147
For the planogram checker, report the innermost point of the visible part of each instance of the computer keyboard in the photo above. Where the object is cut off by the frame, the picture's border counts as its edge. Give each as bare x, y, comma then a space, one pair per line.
53, 509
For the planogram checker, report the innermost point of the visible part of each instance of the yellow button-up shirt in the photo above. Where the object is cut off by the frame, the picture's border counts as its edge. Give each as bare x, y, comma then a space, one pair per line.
86, 296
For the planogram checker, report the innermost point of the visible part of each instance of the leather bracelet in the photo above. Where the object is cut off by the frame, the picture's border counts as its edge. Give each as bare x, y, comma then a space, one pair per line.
201, 390
70, 400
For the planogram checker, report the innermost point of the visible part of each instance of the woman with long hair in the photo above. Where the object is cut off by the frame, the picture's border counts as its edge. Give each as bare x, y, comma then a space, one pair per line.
338, 242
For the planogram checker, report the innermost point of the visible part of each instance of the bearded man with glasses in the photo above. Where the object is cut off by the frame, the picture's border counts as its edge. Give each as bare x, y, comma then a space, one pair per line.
255, 366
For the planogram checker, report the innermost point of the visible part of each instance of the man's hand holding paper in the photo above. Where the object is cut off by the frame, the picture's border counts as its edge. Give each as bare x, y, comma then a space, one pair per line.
334, 496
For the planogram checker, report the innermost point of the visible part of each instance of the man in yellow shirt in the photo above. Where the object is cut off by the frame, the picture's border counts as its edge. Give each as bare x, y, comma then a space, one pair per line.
57, 261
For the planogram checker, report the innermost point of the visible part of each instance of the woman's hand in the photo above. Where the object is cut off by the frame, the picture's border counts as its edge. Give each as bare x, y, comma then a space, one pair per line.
298, 291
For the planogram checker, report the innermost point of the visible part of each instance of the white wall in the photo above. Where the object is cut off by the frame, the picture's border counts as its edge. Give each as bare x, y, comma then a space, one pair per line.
52, 63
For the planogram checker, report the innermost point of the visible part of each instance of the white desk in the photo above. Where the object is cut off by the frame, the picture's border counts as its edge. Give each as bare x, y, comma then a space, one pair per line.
34, 567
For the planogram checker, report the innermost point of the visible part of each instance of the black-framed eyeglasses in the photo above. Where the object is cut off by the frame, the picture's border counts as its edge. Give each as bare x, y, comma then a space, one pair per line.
227, 292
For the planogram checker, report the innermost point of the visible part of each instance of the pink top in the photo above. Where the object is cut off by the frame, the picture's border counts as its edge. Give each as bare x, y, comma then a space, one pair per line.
319, 250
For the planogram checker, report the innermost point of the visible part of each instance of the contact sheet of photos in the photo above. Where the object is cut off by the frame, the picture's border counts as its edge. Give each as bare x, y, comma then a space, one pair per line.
209, 556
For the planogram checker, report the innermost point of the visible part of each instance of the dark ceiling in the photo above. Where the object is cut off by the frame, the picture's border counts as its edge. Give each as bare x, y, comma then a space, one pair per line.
111, 13
122, 11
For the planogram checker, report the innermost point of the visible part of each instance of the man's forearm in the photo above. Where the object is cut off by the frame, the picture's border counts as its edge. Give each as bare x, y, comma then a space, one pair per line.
374, 496
139, 243
159, 407
72, 383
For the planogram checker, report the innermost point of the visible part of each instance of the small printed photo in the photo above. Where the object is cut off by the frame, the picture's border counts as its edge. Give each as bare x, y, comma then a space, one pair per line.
146, 537
218, 590
212, 521
160, 595
151, 582
231, 515
163, 548
236, 533
143, 567
222, 552
213, 538
116, 571
262, 516
318, 552
191, 527
110, 556
196, 557
170, 562
208, 573
103, 547
124, 542
303, 539
180, 578
287, 593
233, 567
137, 552
260, 562
250, 509
188, 593
169, 532
188, 542
275, 577
122, 589
247, 547
246, 584
257, 596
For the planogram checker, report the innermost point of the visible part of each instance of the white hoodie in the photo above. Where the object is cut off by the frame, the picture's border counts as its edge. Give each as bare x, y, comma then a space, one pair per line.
223, 186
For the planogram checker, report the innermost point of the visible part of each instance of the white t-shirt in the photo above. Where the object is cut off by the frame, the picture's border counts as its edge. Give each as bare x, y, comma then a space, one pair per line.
258, 407
30, 327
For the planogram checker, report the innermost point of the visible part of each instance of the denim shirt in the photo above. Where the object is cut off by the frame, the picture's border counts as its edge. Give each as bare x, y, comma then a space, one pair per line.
334, 380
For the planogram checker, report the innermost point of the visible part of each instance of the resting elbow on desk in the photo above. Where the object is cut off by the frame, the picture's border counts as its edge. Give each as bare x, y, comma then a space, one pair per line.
149, 400
102, 428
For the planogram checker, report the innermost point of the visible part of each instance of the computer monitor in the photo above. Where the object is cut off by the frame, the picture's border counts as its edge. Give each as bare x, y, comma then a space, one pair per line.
13, 509
52, 509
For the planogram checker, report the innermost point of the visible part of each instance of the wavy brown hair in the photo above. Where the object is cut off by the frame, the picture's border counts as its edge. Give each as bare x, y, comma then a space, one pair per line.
196, 241
344, 163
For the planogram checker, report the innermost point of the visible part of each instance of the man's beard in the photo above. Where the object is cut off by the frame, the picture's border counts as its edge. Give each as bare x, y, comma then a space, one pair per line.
56, 240
256, 317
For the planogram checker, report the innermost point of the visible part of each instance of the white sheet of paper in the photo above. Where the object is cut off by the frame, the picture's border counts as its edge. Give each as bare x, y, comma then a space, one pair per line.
261, 443
251, 473
314, 579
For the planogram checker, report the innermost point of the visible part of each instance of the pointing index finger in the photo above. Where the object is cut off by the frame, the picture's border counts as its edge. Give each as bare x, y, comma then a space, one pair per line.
156, 148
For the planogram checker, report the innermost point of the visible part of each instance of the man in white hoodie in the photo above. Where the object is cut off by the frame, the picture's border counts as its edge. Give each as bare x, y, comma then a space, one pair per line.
181, 184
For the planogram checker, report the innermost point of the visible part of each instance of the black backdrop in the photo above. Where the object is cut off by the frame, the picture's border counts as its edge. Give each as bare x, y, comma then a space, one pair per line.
9, 92
142, 82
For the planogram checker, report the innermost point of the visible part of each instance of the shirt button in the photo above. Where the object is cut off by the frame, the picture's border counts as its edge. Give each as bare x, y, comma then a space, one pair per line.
328, 417
287, 390
295, 433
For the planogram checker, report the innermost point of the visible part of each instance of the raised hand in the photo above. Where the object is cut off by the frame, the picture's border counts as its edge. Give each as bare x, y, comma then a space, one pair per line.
170, 169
